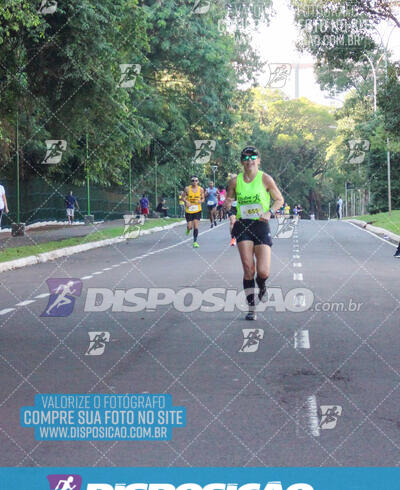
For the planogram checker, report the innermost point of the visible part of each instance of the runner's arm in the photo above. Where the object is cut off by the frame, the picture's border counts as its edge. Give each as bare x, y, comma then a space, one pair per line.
184, 196
231, 194
276, 195
5, 203
202, 198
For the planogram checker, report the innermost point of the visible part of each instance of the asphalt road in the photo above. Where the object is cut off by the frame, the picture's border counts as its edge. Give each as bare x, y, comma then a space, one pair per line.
258, 408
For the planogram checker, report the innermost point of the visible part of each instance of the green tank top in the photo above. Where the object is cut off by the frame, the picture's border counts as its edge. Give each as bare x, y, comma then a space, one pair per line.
253, 199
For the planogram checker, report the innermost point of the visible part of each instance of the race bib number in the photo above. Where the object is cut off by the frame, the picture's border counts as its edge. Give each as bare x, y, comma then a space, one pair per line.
251, 211
222, 198
193, 208
210, 203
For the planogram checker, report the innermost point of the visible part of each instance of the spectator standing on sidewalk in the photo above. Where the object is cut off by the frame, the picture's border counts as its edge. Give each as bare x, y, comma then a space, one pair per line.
144, 205
3, 203
71, 202
339, 208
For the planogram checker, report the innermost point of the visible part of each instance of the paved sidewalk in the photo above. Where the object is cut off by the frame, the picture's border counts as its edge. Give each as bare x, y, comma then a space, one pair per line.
52, 233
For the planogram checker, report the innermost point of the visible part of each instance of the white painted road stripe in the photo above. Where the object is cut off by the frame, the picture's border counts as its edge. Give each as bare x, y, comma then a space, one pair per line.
297, 276
86, 277
97, 273
301, 339
43, 295
373, 234
26, 302
312, 415
296, 256
7, 310
297, 264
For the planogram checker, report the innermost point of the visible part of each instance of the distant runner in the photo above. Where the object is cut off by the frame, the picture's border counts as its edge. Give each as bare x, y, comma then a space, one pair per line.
253, 190
397, 254
193, 197
232, 216
221, 194
212, 201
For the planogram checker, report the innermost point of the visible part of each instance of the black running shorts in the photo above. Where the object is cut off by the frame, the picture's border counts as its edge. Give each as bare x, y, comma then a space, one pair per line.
253, 230
193, 216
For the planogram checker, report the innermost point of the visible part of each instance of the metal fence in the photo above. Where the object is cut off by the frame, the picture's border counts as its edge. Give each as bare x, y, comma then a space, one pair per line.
40, 201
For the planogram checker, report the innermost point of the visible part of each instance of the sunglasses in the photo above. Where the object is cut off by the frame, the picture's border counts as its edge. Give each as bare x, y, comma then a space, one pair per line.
246, 158
195, 180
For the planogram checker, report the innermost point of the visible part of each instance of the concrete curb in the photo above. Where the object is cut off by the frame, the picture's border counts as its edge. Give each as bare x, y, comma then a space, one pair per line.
381, 232
64, 252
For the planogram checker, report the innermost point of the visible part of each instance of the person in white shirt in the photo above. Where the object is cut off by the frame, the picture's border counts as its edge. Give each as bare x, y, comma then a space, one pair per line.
3, 203
339, 208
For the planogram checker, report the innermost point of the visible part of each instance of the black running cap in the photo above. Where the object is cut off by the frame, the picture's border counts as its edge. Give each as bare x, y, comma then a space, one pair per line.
249, 150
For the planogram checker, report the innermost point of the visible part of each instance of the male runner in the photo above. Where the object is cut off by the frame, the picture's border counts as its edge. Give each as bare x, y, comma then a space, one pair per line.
253, 190
193, 196
211, 198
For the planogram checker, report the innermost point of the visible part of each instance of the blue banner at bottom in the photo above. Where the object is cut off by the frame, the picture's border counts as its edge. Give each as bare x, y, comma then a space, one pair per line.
200, 478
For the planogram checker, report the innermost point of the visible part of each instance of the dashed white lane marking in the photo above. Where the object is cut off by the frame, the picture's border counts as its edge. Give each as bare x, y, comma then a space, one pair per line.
312, 416
301, 339
44, 295
26, 302
297, 264
296, 256
107, 269
297, 276
6, 310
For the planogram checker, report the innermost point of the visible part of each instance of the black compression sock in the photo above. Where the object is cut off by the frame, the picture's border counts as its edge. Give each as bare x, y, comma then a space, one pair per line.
248, 286
195, 234
261, 282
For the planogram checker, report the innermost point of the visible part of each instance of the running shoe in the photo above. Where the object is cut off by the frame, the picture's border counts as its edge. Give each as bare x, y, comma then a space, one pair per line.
187, 231
233, 242
211, 225
397, 254
196, 245
251, 316
215, 223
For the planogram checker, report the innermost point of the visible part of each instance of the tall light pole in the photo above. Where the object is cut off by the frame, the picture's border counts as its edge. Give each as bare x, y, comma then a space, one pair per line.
214, 169
385, 49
